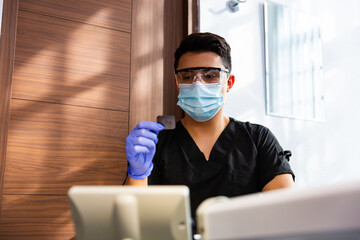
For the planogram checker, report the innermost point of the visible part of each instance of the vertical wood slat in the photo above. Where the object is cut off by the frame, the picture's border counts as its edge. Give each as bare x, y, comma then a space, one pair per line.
192, 16
7, 51
174, 12
146, 77
157, 29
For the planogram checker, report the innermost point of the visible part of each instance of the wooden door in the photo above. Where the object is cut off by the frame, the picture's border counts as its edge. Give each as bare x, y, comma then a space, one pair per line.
84, 73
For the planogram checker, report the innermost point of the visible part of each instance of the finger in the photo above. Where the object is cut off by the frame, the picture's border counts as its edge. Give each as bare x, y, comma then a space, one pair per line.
146, 134
145, 142
141, 149
151, 126
137, 137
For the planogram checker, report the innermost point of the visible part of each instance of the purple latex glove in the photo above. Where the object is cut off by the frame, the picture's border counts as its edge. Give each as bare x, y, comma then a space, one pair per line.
141, 147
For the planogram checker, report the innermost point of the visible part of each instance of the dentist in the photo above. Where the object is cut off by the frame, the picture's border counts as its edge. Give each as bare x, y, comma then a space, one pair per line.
208, 151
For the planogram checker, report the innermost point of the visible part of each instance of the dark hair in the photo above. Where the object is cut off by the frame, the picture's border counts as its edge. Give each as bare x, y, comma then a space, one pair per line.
204, 42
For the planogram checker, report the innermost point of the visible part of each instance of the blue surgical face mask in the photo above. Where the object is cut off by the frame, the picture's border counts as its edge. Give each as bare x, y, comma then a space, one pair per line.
201, 101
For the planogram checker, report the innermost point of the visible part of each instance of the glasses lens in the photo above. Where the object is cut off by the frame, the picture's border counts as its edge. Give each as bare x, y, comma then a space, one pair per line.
212, 76
185, 77
206, 75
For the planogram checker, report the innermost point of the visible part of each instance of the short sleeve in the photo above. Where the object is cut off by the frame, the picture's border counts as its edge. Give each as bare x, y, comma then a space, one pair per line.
271, 158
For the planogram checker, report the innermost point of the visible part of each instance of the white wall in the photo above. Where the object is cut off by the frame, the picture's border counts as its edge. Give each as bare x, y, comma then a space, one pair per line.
323, 152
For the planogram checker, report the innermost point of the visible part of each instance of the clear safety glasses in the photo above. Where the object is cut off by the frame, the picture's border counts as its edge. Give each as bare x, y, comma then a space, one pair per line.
207, 75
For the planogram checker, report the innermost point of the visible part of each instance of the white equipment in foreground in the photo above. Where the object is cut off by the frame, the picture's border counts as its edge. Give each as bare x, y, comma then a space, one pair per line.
124, 212
325, 213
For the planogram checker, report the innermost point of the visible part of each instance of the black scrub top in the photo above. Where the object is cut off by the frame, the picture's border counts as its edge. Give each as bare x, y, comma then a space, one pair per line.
243, 160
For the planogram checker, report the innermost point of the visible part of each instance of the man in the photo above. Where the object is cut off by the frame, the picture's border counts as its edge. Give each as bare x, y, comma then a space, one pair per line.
207, 151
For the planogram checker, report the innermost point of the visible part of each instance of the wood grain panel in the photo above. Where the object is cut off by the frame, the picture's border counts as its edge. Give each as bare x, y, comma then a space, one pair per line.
192, 16
52, 147
7, 51
73, 63
153, 90
147, 62
173, 34
106, 13
36, 217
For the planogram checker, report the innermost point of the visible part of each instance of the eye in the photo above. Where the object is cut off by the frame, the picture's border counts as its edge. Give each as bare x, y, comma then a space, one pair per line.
211, 76
187, 76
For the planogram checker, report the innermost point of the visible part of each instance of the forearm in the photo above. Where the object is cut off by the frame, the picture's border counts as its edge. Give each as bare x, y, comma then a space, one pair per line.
280, 181
133, 182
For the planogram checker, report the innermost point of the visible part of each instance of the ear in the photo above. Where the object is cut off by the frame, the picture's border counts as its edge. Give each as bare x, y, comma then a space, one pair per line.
230, 82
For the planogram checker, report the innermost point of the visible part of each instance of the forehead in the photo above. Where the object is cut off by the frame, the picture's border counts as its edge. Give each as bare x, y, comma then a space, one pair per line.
204, 59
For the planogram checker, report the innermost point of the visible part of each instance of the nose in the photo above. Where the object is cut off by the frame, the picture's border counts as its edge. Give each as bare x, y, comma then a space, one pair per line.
197, 77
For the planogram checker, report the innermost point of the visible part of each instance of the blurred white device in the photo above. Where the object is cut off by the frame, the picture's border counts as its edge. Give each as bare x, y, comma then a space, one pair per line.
125, 212
325, 213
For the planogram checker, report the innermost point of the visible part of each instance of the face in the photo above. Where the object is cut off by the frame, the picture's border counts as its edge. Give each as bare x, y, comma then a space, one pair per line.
205, 59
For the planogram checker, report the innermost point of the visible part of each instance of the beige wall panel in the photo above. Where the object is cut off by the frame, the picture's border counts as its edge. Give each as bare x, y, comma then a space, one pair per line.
113, 14
73, 63
36, 218
52, 147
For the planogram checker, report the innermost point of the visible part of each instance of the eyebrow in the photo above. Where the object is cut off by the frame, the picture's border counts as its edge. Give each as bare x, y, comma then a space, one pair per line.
201, 68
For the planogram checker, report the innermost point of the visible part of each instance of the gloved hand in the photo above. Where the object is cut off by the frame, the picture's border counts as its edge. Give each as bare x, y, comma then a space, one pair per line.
141, 147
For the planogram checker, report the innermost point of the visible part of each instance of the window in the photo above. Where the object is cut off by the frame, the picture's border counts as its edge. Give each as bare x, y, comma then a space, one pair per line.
294, 68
